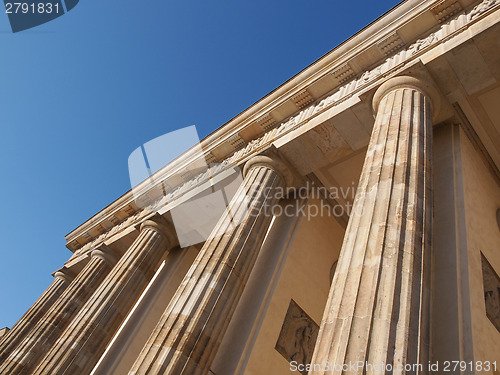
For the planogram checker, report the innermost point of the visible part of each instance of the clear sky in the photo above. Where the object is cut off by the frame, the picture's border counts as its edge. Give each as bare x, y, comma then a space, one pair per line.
80, 93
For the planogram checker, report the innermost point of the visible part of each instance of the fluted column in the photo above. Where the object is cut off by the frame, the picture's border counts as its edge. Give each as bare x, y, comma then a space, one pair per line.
189, 332
19, 332
85, 339
375, 313
45, 333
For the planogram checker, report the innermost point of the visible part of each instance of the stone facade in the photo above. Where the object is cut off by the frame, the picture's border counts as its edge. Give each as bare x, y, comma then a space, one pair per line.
363, 238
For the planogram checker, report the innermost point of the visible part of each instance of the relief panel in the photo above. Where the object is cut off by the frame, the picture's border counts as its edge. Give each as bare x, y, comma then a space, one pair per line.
298, 336
491, 283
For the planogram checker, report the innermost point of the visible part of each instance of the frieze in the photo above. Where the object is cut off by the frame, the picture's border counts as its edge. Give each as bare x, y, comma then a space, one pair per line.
481, 8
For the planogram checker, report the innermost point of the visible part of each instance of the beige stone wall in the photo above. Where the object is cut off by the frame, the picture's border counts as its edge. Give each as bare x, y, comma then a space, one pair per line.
482, 199
305, 278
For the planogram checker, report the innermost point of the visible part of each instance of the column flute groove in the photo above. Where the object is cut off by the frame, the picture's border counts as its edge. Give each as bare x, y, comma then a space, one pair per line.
21, 329
375, 313
48, 329
189, 332
85, 339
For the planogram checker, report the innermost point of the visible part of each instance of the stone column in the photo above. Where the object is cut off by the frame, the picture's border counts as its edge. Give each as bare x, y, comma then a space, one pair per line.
48, 329
19, 332
189, 333
85, 339
376, 310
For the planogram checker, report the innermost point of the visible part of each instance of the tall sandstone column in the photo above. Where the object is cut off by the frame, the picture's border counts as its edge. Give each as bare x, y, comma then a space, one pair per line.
48, 329
82, 343
189, 333
376, 310
18, 333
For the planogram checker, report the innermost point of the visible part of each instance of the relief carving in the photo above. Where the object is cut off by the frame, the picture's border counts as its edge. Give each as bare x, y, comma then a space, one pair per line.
423, 43
491, 283
298, 336
482, 8
327, 139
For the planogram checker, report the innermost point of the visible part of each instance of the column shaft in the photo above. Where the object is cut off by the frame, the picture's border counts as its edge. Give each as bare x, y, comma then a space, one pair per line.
189, 333
375, 309
85, 339
21, 329
23, 359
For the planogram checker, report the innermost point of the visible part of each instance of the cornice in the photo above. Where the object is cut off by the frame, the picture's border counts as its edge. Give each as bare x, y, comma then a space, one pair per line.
296, 90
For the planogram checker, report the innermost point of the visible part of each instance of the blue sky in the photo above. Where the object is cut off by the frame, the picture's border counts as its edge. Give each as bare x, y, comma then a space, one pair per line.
80, 93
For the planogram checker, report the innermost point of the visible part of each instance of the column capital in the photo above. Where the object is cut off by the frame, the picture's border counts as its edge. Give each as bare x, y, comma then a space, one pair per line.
273, 162
161, 225
106, 254
64, 274
422, 85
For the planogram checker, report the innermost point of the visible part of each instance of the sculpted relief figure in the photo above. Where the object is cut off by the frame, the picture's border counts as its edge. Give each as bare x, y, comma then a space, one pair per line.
481, 8
298, 336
